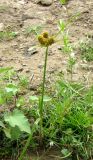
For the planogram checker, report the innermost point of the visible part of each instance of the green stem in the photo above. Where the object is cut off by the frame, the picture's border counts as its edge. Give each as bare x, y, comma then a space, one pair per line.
25, 147
43, 91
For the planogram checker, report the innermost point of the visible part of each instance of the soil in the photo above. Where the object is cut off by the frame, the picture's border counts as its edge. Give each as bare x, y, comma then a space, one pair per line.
18, 15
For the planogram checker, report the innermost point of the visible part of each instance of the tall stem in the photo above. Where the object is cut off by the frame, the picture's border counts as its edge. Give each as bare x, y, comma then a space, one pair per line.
25, 147
43, 92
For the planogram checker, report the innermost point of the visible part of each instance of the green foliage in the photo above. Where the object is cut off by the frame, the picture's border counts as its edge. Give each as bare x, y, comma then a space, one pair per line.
15, 123
63, 1
6, 35
86, 50
67, 117
33, 29
67, 47
17, 118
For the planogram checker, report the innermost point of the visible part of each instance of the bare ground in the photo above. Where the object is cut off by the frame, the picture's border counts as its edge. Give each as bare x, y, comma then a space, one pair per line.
18, 15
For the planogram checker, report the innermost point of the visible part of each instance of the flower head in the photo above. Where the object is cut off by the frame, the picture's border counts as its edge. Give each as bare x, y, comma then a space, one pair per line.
45, 40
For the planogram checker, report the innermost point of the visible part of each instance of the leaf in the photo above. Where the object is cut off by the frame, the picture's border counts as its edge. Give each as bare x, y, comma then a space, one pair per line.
65, 152
61, 25
47, 99
20, 102
15, 133
63, 1
11, 88
17, 118
3, 70
7, 132
33, 98
2, 124
1, 100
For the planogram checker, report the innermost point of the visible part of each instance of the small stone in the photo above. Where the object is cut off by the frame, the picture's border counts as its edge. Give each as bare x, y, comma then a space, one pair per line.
24, 64
45, 2
22, 2
1, 27
33, 88
40, 66
27, 71
32, 50
19, 69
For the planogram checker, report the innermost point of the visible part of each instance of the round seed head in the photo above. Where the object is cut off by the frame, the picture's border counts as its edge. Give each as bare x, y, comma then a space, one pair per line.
51, 41
45, 34
41, 40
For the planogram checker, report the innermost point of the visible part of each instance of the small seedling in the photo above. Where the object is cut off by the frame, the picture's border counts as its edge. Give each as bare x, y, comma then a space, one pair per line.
86, 50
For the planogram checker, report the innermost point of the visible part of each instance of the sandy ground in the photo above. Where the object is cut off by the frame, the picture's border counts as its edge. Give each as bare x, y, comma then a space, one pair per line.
18, 15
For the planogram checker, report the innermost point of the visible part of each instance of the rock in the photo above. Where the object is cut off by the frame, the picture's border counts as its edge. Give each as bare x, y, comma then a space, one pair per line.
21, 2
33, 88
19, 69
45, 2
1, 27
32, 50
40, 66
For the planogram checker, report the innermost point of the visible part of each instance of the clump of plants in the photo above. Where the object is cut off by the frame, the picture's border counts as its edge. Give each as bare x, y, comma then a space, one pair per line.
63, 1
86, 49
63, 119
7, 35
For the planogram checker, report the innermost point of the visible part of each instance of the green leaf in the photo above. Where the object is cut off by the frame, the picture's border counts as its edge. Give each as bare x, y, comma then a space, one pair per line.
47, 99
17, 118
2, 124
65, 152
7, 132
3, 70
15, 133
1, 100
33, 98
61, 25
11, 88
63, 1
20, 102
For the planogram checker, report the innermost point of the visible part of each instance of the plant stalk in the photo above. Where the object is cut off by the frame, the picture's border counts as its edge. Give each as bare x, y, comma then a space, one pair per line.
43, 92
25, 147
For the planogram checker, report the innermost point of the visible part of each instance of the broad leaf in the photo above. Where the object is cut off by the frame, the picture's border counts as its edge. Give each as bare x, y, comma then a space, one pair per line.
11, 88
17, 118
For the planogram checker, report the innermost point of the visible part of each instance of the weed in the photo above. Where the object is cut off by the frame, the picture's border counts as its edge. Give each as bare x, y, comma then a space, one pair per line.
33, 29
5, 35
63, 1
86, 50
67, 47
3, 8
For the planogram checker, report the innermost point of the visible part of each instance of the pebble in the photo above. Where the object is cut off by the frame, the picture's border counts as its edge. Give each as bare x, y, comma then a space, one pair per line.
45, 2
1, 27
32, 50
40, 66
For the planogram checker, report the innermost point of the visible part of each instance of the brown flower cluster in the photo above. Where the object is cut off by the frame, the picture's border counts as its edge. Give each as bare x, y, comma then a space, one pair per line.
45, 40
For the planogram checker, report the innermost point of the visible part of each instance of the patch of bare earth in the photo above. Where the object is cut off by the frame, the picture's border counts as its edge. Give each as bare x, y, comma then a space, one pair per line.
18, 15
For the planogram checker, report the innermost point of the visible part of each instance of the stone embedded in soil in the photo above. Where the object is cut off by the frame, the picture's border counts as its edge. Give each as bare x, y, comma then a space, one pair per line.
45, 2
1, 27
19, 69
32, 50
40, 66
